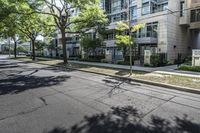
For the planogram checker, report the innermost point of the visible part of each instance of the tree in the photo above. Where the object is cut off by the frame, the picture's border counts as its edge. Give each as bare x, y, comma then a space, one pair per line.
39, 46
32, 26
91, 17
90, 44
8, 25
21, 49
10, 30
96, 19
6, 8
62, 16
127, 39
51, 46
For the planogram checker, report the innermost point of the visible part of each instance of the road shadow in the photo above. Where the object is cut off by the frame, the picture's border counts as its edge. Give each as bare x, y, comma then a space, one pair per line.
119, 80
58, 69
8, 66
20, 83
116, 82
128, 120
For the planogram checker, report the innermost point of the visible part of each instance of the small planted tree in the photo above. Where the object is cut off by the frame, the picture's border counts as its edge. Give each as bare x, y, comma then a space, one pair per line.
127, 39
90, 44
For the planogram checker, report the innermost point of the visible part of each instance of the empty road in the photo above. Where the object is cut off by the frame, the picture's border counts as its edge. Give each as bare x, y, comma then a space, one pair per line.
38, 98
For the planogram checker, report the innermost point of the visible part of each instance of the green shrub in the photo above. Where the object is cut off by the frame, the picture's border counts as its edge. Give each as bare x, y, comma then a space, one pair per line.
188, 61
104, 61
97, 57
90, 60
123, 62
155, 60
148, 65
189, 68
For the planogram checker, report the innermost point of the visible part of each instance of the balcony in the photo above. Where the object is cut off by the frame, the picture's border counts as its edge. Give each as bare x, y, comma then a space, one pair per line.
195, 19
184, 20
146, 40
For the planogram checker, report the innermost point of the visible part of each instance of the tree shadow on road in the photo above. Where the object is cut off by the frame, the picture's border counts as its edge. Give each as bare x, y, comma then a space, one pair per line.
128, 120
19, 83
116, 83
58, 69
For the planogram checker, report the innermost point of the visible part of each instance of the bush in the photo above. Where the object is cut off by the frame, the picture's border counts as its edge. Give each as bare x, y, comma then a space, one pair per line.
123, 62
97, 57
188, 60
189, 68
104, 61
155, 60
148, 65
90, 60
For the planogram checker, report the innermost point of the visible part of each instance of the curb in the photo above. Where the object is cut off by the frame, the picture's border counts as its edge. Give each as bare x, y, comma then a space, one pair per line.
168, 86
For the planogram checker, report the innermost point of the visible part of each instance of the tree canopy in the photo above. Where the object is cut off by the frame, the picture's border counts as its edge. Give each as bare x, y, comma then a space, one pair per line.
35, 17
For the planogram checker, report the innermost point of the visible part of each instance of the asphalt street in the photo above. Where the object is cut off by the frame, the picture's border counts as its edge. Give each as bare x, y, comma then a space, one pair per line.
38, 98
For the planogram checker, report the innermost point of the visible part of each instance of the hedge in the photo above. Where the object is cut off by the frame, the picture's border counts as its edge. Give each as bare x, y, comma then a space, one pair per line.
189, 68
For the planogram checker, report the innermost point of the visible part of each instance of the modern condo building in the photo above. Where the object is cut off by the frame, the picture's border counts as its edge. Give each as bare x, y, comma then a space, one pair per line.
172, 28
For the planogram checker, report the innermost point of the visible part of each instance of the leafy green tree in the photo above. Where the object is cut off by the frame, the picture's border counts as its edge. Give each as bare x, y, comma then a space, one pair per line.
51, 46
6, 8
96, 19
90, 44
9, 29
127, 39
91, 17
39, 46
21, 49
32, 26
62, 16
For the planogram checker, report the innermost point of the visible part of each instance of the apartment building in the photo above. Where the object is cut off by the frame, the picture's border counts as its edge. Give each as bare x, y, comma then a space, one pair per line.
172, 28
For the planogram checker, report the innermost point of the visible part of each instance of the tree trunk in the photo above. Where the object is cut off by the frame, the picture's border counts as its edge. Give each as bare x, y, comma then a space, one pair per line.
33, 49
15, 49
64, 47
131, 63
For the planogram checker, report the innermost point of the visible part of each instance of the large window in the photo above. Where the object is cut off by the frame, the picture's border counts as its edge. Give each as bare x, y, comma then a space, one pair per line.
133, 12
152, 29
154, 7
195, 15
132, 2
145, 8
118, 17
115, 5
149, 31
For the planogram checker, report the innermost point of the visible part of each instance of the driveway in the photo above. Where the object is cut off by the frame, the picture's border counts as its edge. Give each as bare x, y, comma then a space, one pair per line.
45, 99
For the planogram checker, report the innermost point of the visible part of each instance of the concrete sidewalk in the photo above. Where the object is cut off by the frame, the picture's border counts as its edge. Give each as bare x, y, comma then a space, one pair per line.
162, 70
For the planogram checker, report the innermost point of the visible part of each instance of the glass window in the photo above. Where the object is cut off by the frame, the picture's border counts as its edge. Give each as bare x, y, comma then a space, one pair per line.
115, 5
149, 31
133, 12
145, 8
182, 4
195, 15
